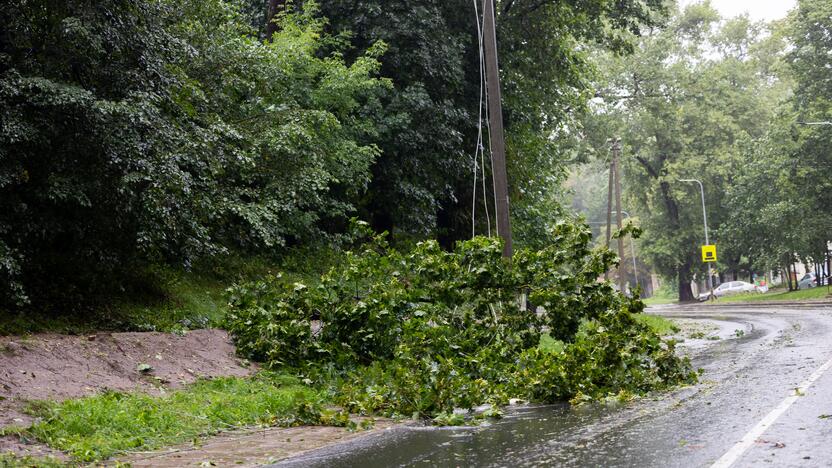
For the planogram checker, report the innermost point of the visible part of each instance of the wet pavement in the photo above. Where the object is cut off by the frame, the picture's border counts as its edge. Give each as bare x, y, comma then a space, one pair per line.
765, 399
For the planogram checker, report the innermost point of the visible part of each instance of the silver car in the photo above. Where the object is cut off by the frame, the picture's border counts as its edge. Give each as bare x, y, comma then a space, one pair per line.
809, 280
727, 289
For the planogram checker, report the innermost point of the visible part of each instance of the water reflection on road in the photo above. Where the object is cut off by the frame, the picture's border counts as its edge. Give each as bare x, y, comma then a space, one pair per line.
525, 433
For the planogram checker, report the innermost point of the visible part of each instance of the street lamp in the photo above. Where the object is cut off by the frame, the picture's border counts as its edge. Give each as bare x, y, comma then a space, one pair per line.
707, 240
632, 247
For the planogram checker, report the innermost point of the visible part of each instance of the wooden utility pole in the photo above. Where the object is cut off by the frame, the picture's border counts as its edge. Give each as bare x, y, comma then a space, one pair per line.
616, 150
495, 120
609, 212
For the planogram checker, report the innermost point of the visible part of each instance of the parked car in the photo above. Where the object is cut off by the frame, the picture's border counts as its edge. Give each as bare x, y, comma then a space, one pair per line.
727, 289
809, 280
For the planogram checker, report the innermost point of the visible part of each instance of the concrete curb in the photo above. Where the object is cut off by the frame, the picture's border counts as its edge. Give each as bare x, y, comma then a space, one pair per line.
824, 304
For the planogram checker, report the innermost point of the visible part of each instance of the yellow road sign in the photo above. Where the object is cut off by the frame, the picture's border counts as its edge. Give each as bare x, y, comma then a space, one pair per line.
708, 253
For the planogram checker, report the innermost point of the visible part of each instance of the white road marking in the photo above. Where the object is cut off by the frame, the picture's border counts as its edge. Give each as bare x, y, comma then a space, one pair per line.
748, 440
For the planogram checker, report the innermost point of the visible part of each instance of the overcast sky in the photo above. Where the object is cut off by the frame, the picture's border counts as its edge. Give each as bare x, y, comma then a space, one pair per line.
758, 9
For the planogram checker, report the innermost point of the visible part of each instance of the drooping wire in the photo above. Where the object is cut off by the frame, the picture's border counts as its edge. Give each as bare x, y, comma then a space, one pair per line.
488, 127
480, 149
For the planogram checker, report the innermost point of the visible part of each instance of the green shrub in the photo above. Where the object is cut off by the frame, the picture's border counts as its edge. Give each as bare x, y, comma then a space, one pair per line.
429, 330
167, 132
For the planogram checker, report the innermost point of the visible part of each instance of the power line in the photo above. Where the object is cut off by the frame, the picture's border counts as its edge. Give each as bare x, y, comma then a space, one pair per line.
479, 150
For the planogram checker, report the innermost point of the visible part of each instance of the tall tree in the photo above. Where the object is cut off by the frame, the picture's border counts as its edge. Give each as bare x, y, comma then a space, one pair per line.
146, 132
685, 104
422, 183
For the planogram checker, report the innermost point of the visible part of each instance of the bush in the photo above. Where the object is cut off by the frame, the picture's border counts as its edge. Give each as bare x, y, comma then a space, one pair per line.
163, 132
429, 330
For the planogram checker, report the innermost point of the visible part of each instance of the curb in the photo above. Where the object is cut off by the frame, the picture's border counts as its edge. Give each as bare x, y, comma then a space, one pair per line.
803, 305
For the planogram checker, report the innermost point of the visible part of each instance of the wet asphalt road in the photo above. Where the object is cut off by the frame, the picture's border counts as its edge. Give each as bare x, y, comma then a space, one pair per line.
762, 401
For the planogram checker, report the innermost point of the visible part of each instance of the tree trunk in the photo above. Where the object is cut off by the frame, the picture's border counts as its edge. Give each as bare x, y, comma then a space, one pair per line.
784, 273
787, 268
685, 292
817, 274
275, 7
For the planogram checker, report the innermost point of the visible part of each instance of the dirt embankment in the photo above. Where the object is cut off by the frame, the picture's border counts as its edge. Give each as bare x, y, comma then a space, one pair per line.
57, 367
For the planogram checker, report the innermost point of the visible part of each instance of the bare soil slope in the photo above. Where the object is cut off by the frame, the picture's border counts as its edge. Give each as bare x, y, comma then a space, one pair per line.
58, 367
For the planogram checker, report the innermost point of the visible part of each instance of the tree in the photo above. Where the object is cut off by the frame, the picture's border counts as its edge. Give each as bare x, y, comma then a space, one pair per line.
686, 103
423, 183
141, 133
137, 133
810, 31
781, 226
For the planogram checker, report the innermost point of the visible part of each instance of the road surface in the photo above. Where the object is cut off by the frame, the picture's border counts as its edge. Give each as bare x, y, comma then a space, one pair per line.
765, 399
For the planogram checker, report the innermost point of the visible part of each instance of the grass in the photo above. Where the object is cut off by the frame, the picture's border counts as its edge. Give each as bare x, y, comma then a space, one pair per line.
778, 295
660, 325
174, 300
185, 301
98, 427
10, 460
662, 296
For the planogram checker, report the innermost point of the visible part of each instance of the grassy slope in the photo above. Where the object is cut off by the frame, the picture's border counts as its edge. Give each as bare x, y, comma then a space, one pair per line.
101, 426
780, 295
660, 325
186, 301
181, 300
662, 296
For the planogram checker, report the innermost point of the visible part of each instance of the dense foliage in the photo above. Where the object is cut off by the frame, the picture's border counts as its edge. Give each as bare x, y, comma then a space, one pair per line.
139, 133
775, 228
422, 182
146, 132
428, 330
691, 103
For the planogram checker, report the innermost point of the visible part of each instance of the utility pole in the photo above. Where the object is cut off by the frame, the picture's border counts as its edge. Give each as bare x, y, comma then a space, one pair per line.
609, 213
632, 250
616, 150
495, 119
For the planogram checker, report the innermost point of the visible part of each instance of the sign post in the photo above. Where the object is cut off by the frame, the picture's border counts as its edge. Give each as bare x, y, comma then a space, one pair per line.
707, 241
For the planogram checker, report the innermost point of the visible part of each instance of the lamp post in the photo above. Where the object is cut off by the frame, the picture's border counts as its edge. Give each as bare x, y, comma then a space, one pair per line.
707, 240
632, 248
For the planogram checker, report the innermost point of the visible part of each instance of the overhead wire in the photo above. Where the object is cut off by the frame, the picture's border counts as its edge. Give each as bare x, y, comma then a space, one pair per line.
488, 127
479, 150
